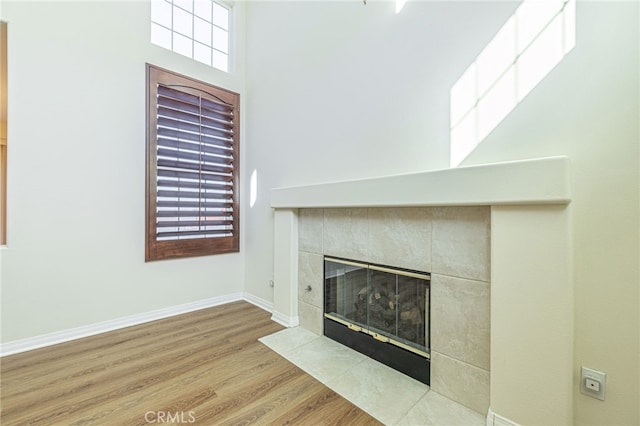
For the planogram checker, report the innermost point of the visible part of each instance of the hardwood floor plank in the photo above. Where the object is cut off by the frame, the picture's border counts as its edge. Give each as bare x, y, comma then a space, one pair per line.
206, 366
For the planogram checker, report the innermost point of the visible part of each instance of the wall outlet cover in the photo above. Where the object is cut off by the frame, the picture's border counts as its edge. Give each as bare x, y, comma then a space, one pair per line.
592, 383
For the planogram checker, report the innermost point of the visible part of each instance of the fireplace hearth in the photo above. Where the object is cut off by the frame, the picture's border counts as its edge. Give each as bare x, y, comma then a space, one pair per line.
380, 311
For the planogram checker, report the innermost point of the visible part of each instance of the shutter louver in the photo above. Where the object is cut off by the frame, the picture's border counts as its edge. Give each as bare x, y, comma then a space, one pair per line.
195, 166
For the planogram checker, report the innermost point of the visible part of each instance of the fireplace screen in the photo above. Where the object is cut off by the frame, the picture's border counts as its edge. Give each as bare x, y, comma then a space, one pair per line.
391, 305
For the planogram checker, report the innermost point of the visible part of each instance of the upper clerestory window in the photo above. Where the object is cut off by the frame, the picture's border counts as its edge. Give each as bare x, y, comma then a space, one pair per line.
198, 29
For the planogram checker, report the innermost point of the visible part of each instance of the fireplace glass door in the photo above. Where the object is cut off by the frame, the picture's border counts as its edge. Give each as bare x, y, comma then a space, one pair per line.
390, 304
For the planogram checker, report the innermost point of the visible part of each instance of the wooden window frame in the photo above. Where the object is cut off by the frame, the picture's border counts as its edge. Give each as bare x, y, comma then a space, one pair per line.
206, 242
3, 133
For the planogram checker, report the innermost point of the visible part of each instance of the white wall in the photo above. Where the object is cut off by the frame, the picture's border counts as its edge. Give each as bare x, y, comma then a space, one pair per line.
75, 252
588, 109
532, 314
339, 90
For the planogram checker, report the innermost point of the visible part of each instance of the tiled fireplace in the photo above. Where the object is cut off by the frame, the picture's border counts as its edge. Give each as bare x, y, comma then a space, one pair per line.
441, 221
453, 243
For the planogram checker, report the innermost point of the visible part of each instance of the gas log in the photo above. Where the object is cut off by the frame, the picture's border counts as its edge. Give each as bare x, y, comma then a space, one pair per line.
400, 314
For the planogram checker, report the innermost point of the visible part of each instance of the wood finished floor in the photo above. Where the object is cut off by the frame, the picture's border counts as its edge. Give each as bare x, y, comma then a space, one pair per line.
207, 365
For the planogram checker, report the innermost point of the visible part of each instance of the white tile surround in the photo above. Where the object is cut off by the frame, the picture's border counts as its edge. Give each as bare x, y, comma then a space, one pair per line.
531, 288
410, 237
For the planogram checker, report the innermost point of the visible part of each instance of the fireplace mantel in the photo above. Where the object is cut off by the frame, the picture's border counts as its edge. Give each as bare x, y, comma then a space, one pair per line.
531, 268
537, 181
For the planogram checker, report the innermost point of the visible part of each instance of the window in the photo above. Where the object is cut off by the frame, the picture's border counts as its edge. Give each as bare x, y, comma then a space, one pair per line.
529, 45
198, 29
192, 183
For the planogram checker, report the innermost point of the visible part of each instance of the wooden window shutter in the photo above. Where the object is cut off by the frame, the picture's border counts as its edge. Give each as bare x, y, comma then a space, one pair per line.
192, 206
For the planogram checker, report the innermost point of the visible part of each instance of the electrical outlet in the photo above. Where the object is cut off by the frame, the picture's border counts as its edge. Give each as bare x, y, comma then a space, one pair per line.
592, 383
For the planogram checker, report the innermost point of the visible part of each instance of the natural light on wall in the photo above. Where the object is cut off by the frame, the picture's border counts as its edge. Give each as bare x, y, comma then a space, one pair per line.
533, 41
253, 188
198, 29
400, 5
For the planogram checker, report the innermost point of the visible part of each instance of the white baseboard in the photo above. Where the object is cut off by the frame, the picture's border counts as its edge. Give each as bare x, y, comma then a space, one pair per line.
285, 320
54, 338
494, 419
258, 301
